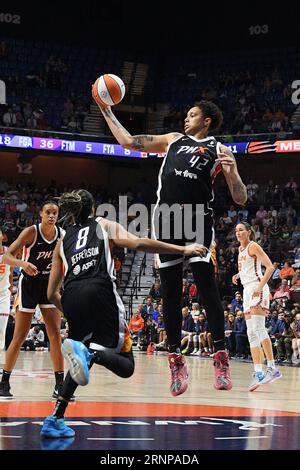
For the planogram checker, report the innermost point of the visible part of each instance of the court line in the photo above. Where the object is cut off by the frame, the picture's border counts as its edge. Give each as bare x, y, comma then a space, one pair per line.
240, 437
25, 409
120, 439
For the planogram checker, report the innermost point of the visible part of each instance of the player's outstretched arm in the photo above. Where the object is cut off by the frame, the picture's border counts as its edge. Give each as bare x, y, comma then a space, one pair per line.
121, 237
142, 143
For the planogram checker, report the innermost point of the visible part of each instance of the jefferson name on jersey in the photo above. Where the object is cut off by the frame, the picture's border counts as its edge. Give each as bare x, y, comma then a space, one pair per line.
86, 253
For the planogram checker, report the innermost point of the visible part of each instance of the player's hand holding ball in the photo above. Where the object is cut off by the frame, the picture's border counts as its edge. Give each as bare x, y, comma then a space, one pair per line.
108, 90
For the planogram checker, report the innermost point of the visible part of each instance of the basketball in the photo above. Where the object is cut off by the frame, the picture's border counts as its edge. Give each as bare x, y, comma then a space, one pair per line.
108, 89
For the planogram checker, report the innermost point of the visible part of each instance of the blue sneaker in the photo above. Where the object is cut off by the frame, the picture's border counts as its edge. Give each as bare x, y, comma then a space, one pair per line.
56, 444
54, 428
78, 357
257, 381
271, 375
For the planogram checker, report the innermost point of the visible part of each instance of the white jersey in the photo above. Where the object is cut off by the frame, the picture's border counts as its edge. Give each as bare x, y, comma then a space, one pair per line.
4, 276
249, 267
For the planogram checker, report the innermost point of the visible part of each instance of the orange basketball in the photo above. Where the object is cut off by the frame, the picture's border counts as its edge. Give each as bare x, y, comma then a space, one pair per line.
108, 89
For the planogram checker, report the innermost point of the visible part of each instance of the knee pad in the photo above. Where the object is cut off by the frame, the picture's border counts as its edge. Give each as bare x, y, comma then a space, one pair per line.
252, 334
258, 322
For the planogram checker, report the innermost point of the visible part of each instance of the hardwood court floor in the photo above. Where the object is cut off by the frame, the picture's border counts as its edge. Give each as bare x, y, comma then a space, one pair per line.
140, 413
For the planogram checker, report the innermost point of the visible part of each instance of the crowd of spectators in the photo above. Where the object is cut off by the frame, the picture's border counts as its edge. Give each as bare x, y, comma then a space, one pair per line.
252, 101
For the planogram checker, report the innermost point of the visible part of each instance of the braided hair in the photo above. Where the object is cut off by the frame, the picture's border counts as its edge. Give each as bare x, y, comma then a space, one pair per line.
76, 206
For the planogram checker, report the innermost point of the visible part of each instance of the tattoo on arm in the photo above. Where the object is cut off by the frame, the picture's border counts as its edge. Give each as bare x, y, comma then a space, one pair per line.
239, 192
109, 115
138, 142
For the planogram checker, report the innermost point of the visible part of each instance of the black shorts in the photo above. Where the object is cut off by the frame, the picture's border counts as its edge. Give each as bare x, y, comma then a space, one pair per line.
96, 315
33, 292
177, 235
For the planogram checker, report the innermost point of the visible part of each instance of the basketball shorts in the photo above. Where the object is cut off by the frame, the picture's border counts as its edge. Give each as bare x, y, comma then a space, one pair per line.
249, 302
32, 292
180, 232
96, 315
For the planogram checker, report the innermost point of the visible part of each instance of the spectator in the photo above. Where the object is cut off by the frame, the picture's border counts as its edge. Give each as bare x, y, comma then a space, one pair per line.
295, 327
252, 190
193, 293
155, 291
275, 279
282, 340
283, 291
229, 336
237, 302
287, 272
240, 334
185, 293
147, 309
136, 326
35, 339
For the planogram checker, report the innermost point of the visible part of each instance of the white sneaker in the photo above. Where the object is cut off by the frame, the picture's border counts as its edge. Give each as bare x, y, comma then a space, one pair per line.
271, 375
257, 380
194, 352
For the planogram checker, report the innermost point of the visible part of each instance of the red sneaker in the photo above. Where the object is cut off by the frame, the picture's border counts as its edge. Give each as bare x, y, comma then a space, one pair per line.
179, 374
151, 348
222, 372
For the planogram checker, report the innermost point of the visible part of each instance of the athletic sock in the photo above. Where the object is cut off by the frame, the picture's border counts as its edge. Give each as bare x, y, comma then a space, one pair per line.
5, 376
258, 368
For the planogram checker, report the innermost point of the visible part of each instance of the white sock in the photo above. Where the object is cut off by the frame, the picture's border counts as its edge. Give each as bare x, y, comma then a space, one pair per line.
271, 364
258, 368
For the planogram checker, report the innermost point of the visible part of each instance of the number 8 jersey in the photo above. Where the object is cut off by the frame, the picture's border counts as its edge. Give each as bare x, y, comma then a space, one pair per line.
86, 253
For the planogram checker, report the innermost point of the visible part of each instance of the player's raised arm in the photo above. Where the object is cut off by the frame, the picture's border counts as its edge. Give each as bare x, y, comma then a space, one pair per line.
142, 143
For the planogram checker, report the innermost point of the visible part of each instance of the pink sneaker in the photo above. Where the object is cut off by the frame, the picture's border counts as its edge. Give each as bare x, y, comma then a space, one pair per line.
222, 372
179, 374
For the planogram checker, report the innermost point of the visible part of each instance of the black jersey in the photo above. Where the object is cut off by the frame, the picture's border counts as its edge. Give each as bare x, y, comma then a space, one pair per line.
188, 171
86, 254
40, 252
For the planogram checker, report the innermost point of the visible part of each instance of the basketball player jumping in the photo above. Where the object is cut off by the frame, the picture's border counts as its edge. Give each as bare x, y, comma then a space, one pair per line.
37, 242
186, 176
90, 301
256, 300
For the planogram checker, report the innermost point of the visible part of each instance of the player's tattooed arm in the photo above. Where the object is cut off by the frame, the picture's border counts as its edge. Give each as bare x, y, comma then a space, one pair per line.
142, 143
153, 143
139, 141
236, 186
108, 114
